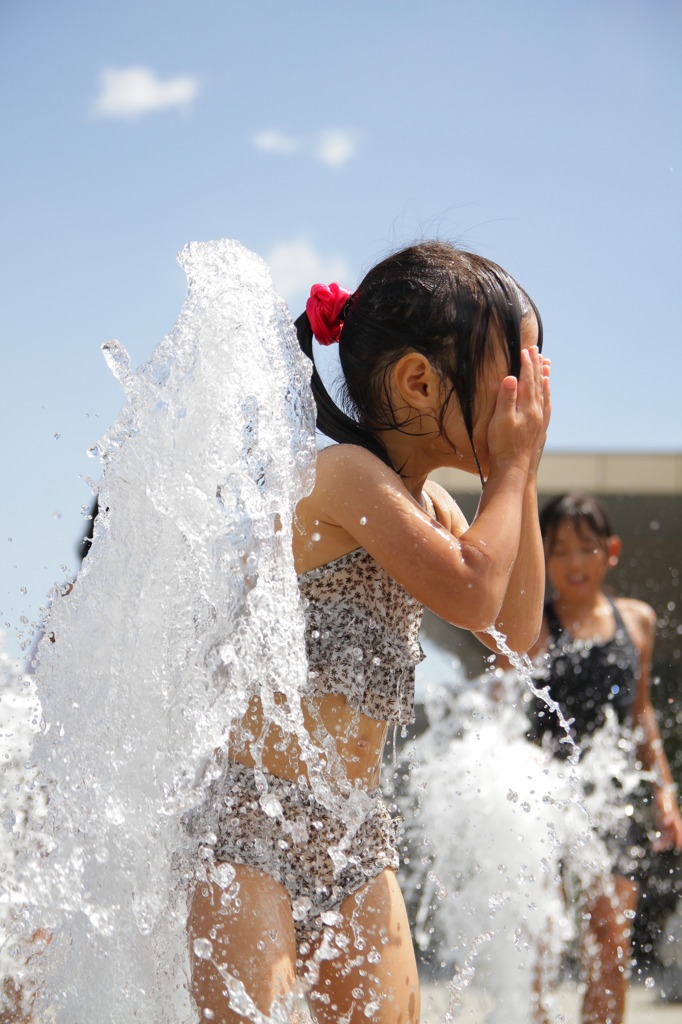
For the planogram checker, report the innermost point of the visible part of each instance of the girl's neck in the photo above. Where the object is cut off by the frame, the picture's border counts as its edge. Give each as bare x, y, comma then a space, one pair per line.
570, 609
412, 469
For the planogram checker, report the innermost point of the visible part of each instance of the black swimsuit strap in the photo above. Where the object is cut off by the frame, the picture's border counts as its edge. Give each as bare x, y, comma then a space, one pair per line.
553, 624
620, 625
555, 627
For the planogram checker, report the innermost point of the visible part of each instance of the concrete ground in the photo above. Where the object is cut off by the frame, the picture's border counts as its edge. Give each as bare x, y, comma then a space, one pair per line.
644, 1006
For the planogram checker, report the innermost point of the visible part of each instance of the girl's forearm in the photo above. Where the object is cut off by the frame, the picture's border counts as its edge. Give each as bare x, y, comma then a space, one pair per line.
651, 751
506, 527
520, 616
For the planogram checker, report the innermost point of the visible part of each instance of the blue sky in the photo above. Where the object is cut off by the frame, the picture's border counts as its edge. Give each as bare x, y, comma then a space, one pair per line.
543, 135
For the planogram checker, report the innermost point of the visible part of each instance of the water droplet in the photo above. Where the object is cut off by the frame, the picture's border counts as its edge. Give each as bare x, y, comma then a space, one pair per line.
374, 956
57, 435
300, 908
203, 949
118, 361
363, 520
649, 983
209, 1014
315, 537
271, 806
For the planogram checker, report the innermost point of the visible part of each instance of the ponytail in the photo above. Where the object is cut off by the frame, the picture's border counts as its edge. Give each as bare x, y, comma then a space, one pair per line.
331, 421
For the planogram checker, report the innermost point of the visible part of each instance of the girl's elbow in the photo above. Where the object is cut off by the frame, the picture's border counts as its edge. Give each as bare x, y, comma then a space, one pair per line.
523, 638
479, 615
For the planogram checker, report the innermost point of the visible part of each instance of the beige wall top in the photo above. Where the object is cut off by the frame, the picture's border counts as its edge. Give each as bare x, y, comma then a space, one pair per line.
595, 472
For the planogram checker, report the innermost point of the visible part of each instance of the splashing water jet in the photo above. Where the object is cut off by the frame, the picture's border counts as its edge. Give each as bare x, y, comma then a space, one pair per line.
494, 820
186, 606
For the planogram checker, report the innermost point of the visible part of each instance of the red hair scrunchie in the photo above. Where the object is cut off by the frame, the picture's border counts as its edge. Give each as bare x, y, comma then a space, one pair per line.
324, 308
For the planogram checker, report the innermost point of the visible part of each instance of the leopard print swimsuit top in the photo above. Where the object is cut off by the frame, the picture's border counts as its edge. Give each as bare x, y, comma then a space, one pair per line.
362, 636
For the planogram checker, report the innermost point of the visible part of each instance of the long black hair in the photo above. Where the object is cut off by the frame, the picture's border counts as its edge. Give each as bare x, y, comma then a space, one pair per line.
447, 304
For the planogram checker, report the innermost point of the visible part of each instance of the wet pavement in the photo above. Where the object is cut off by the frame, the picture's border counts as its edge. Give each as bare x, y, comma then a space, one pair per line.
644, 1006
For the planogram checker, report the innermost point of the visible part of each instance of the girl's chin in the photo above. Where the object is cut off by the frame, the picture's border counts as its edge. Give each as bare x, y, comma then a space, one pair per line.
575, 589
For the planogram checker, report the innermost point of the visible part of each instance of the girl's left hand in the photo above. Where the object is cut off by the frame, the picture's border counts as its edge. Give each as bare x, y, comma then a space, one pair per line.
669, 821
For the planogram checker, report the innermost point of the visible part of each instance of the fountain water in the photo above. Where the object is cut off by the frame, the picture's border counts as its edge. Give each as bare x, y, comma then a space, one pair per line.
186, 605
23, 808
499, 829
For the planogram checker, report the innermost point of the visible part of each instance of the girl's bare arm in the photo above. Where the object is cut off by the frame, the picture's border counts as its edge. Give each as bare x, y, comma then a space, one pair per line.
650, 746
520, 617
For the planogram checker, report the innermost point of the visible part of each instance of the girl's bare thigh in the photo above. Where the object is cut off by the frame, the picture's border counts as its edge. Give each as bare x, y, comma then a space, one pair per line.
252, 944
375, 975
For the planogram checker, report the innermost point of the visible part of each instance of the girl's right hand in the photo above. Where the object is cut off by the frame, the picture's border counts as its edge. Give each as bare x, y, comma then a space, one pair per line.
518, 427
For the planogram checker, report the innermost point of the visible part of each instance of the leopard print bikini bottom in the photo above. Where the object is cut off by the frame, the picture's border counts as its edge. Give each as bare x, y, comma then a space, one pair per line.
291, 836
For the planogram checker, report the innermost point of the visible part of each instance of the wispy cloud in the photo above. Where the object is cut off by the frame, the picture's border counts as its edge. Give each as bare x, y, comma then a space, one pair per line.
335, 147
297, 265
274, 141
331, 146
133, 92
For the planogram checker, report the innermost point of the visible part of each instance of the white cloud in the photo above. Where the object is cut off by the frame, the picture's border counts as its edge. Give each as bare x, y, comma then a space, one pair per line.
132, 92
335, 147
331, 146
274, 141
296, 266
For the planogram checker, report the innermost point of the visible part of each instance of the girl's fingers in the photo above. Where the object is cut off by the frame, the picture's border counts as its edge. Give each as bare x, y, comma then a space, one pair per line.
531, 386
508, 391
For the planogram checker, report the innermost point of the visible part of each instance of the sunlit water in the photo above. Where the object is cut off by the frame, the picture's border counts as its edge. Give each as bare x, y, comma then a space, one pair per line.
500, 833
22, 807
186, 605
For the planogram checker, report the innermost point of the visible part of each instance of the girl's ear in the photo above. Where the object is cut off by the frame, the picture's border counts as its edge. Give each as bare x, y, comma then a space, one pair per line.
416, 380
613, 549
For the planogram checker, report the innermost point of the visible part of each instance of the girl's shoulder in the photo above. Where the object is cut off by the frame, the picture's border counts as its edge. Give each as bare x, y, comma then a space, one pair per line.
639, 618
448, 512
331, 521
351, 457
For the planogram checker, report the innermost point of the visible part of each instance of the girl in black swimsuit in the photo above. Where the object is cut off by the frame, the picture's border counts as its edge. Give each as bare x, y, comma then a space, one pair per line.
597, 653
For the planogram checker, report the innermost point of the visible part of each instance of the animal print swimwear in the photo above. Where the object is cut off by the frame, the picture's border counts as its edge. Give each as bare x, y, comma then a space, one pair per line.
292, 843
362, 636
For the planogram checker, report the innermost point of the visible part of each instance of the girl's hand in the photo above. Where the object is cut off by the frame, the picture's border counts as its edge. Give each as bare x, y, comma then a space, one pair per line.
669, 821
518, 428
547, 412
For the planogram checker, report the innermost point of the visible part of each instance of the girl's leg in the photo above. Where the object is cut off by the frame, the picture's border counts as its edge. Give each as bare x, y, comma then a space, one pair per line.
543, 979
606, 951
248, 940
379, 981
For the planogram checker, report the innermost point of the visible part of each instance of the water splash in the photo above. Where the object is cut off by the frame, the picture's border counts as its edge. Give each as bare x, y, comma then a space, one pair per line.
23, 809
187, 604
495, 822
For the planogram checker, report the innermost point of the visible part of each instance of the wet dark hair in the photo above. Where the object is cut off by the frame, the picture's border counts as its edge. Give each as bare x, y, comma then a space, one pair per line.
449, 305
582, 510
